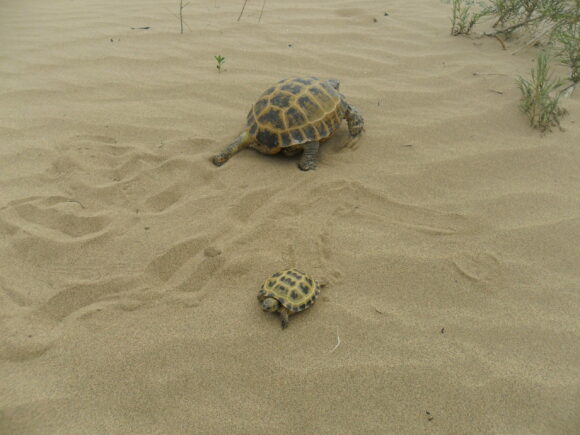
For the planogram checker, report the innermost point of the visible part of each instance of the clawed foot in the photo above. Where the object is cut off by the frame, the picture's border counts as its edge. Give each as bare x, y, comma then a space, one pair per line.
284, 318
307, 166
219, 159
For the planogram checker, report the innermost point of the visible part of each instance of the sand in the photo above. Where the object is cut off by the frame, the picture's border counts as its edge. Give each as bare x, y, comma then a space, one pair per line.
129, 265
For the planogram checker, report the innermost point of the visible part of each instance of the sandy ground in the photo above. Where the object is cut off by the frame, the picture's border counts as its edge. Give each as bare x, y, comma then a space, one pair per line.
129, 264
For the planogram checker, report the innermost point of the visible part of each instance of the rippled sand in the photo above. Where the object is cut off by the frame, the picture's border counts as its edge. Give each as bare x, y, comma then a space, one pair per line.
129, 264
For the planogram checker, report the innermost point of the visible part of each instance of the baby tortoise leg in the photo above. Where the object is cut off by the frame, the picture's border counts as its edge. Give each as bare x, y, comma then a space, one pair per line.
354, 120
284, 317
241, 142
309, 156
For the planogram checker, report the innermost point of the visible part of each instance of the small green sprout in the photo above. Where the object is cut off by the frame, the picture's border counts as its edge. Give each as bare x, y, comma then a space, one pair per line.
220, 62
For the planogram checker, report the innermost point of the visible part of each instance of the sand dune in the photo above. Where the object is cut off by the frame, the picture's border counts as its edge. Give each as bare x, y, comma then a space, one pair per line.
447, 235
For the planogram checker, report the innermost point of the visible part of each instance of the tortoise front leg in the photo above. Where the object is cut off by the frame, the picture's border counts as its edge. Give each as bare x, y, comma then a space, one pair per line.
310, 155
284, 317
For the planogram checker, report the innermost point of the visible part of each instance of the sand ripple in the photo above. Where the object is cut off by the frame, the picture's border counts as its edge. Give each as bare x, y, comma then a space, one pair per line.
447, 235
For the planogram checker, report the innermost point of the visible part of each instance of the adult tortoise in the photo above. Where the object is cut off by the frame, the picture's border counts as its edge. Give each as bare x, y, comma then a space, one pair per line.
293, 115
288, 292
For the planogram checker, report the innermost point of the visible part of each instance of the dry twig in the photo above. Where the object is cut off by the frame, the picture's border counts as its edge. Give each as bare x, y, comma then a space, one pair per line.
500, 41
181, 6
262, 11
512, 28
242, 11
337, 341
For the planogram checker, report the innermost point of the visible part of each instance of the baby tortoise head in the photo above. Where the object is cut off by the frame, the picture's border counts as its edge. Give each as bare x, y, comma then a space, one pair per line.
270, 305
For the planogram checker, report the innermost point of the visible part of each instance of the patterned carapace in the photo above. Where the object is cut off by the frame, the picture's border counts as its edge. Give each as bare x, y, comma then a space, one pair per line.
293, 289
296, 111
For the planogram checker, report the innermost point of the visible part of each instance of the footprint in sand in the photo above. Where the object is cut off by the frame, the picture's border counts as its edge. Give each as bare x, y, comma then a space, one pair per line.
186, 268
349, 12
103, 156
55, 217
25, 334
95, 138
479, 267
250, 203
165, 199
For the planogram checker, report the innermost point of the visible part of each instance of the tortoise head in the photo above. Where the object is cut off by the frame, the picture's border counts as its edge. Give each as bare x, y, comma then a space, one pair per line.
334, 83
354, 120
270, 305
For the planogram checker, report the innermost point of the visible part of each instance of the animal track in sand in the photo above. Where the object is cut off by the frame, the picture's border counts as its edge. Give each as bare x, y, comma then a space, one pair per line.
363, 202
330, 275
480, 267
164, 199
55, 217
187, 267
180, 177
105, 159
96, 138
165, 265
78, 297
104, 173
349, 12
25, 334
251, 202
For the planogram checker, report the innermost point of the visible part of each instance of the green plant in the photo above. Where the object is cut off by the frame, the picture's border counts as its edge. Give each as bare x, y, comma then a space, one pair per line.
570, 51
514, 14
463, 18
220, 62
555, 22
540, 101
504, 10
567, 34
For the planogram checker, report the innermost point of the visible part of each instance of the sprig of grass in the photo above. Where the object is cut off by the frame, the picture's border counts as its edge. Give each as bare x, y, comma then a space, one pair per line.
504, 10
220, 62
570, 51
567, 33
550, 21
463, 17
540, 101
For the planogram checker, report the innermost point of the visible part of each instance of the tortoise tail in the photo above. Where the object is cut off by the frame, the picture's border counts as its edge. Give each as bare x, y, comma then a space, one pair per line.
241, 142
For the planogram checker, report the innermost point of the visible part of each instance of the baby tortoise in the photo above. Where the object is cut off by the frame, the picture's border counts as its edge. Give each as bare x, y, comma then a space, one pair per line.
293, 115
288, 292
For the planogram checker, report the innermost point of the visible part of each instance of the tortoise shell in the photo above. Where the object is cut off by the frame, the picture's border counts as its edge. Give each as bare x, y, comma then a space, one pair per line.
296, 111
293, 289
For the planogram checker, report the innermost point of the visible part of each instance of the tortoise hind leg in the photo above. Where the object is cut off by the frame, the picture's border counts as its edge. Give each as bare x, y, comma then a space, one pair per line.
241, 142
310, 155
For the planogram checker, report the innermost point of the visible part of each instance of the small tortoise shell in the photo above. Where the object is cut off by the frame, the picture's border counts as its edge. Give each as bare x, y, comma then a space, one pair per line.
295, 290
